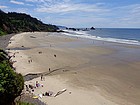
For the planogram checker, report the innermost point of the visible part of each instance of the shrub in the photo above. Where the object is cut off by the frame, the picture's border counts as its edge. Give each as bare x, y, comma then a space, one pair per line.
11, 83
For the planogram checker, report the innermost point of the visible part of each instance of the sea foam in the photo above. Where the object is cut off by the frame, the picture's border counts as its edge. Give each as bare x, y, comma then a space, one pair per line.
83, 34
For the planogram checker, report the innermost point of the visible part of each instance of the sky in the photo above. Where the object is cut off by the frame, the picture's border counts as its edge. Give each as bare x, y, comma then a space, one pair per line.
79, 13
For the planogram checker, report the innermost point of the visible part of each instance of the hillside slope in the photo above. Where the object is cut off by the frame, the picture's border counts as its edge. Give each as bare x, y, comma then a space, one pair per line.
13, 22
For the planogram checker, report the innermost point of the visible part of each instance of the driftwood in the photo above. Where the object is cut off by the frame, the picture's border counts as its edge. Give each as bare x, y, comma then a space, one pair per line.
60, 92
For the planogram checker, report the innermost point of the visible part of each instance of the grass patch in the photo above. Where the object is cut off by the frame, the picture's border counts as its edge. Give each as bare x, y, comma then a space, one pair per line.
2, 33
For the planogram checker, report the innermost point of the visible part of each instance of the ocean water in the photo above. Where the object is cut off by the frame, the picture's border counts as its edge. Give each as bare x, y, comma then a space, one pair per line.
119, 35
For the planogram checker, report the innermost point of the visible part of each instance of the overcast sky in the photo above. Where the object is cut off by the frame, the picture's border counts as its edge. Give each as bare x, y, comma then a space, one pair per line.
79, 13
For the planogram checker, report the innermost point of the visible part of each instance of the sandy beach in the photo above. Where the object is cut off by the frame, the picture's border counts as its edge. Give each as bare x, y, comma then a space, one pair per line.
99, 73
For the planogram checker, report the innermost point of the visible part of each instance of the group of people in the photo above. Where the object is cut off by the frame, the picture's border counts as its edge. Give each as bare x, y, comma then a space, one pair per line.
29, 61
38, 84
30, 88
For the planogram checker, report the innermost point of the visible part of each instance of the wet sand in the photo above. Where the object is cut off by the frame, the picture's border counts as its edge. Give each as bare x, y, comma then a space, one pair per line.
99, 73
4, 40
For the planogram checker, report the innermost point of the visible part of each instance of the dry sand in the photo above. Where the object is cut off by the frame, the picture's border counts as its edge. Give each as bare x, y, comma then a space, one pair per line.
93, 74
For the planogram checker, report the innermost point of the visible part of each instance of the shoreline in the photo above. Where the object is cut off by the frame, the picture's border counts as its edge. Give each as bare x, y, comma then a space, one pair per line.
96, 72
85, 35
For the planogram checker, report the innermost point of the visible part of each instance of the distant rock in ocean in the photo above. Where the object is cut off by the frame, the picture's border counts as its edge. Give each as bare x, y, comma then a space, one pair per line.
92, 28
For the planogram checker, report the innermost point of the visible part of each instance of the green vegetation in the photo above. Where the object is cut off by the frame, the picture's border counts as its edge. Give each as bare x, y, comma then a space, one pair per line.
11, 83
2, 32
23, 103
13, 22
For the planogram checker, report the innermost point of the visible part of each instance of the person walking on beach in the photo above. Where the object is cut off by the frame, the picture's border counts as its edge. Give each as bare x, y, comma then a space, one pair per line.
49, 70
41, 77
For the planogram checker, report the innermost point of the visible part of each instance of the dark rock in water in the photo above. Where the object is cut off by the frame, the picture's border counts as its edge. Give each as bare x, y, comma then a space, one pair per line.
74, 29
92, 28
86, 29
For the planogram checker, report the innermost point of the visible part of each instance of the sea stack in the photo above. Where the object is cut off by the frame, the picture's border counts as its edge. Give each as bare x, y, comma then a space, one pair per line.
92, 28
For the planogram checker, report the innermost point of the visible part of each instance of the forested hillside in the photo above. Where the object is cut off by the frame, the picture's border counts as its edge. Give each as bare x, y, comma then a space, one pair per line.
13, 22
